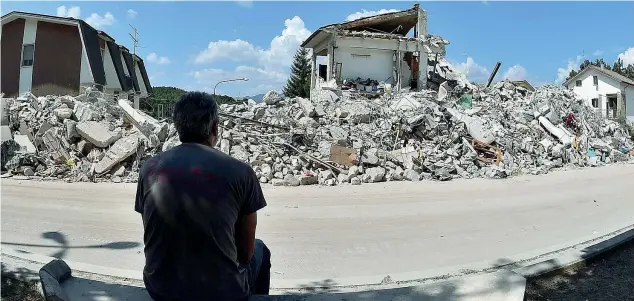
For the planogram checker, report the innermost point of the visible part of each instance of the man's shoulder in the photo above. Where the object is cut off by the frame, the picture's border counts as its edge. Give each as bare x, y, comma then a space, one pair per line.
216, 158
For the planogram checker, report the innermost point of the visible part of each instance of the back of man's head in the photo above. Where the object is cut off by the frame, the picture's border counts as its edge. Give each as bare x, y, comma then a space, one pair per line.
196, 118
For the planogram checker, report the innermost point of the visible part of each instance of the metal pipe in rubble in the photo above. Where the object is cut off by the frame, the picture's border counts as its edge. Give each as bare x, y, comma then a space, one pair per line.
495, 71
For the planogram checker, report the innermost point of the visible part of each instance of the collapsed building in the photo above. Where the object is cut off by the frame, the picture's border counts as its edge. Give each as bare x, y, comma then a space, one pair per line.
338, 137
405, 115
375, 53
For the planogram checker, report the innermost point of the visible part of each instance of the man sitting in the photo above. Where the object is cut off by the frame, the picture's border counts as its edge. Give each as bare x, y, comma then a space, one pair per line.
199, 215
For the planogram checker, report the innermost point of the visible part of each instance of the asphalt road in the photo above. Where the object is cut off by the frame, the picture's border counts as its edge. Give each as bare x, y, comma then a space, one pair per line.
346, 233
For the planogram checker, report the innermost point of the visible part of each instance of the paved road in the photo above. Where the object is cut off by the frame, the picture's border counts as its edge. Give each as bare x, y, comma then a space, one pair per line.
401, 229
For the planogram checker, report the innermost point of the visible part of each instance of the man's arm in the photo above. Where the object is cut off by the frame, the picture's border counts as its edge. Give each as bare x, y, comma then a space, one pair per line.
245, 240
253, 200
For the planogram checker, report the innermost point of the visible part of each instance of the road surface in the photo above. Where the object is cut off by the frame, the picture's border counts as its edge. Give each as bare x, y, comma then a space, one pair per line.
345, 232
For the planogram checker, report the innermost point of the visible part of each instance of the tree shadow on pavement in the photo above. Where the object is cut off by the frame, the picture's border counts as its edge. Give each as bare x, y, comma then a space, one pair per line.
606, 277
19, 284
447, 290
62, 243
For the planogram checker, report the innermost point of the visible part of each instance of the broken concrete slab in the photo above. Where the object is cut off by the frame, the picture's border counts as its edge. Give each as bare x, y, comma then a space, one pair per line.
120, 150
97, 133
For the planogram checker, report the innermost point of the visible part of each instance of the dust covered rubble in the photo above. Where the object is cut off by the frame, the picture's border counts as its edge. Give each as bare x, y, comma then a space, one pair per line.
466, 132
87, 138
338, 137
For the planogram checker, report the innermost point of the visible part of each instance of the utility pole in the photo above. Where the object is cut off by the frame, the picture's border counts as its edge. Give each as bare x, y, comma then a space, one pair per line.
135, 39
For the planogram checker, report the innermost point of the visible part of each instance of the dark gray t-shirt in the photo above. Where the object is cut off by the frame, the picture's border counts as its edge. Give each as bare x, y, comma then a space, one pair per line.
191, 198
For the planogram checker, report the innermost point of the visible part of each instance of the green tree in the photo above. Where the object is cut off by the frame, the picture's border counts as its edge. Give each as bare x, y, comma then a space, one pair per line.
298, 84
627, 71
167, 96
618, 66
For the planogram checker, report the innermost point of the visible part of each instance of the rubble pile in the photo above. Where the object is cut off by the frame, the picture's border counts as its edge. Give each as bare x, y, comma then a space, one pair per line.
339, 136
465, 132
90, 137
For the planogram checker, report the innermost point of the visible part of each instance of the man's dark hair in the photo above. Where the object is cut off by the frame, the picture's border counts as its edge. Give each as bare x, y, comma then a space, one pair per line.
195, 115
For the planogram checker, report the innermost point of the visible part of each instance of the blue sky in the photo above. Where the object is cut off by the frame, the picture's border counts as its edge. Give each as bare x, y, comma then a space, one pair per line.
193, 45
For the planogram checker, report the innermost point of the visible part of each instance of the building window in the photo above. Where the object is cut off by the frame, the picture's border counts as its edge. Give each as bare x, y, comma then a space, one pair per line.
103, 53
578, 83
28, 53
595, 80
595, 102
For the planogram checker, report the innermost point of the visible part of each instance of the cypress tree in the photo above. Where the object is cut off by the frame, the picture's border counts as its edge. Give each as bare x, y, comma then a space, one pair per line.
298, 84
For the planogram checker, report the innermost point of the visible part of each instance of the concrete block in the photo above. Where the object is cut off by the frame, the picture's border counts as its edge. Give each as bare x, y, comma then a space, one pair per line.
51, 277
97, 133
25, 144
120, 150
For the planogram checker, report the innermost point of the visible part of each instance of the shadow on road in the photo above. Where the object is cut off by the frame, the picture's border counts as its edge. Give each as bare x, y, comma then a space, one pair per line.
606, 277
19, 285
64, 246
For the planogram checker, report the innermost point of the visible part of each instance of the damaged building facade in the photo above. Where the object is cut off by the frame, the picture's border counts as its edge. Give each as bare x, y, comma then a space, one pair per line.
377, 48
46, 55
610, 93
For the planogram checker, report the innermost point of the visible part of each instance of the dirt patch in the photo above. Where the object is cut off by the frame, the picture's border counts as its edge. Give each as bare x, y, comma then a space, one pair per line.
608, 277
16, 290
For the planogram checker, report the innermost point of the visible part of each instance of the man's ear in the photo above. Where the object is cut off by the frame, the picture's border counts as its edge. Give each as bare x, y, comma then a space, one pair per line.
214, 129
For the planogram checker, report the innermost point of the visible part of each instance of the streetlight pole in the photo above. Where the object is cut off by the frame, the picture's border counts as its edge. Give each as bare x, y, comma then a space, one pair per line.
229, 80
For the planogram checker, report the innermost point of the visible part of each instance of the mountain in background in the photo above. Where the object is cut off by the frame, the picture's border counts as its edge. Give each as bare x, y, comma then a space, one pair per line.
257, 98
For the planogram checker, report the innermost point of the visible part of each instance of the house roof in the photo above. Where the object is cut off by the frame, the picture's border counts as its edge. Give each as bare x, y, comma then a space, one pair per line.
609, 73
395, 23
67, 20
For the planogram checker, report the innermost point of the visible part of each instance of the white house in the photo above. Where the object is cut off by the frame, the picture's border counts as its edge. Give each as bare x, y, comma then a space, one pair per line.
378, 48
610, 93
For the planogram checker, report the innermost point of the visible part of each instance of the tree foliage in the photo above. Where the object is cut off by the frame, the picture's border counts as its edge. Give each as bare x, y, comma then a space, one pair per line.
616, 67
298, 84
167, 96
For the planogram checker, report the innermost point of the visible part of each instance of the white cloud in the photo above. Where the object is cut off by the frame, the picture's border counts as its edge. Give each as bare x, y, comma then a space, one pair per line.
516, 72
266, 68
236, 50
159, 60
473, 71
98, 21
131, 13
563, 72
365, 13
245, 3
598, 52
68, 12
627, 57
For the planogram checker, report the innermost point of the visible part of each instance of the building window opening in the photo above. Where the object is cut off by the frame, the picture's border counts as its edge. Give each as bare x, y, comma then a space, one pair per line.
595, 80
28, 54
595, 102
578, 83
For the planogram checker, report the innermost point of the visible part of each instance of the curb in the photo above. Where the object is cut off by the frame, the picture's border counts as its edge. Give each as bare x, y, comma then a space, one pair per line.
51, 276
576, 255
549, 261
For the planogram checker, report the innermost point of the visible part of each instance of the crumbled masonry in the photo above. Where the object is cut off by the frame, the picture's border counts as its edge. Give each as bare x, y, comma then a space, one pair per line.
338, 137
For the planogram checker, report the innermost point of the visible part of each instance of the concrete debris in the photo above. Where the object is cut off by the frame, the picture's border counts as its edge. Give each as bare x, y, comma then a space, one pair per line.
338, 137
87, 138
344, 138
